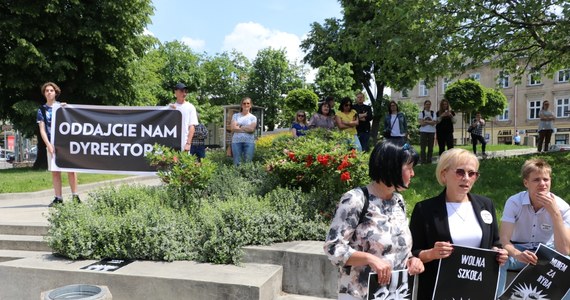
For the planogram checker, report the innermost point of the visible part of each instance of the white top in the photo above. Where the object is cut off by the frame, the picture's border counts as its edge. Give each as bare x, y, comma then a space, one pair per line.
545, 124
532, 228
463, 225
189, 117
427, 115
396, 132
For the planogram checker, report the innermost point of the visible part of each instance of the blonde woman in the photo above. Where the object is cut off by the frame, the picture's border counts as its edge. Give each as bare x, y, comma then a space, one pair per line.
454, 217
300, 125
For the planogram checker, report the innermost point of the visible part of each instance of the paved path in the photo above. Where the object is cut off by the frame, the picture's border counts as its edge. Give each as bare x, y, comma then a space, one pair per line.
32, 208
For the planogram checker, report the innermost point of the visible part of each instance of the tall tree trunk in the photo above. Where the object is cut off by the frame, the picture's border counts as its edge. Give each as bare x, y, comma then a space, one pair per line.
378, 109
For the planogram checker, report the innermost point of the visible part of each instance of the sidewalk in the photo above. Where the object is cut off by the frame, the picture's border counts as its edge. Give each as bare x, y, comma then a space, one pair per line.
32, 208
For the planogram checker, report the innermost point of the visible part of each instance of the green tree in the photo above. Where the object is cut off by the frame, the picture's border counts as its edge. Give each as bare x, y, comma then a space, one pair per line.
335, 79
226, 77
389, 43
271, 78
495, 103
85, 47
300, 99
534, 32
466, 96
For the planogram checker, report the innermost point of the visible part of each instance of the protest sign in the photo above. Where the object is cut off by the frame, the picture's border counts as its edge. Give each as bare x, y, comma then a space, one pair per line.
548, 279
108, 265
111, 139
468, 273
396, 289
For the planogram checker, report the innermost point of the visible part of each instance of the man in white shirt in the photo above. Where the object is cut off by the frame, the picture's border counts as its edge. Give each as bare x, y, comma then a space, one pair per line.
532, 217
189, 116
427, 121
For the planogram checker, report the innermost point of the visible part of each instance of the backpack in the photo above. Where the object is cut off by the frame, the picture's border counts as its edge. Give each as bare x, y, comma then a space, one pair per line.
424, 114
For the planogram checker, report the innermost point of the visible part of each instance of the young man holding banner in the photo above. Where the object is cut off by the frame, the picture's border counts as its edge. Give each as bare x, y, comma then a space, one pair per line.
51, 91
532, 217
189, 116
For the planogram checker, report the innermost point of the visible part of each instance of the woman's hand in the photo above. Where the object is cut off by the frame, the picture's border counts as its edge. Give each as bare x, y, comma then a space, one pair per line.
415, 266
382, 268
502, 255
441, 250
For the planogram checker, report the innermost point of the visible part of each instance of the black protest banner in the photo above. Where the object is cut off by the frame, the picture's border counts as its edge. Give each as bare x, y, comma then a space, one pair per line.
108, 265
396, 289
548, 279
468, 273
111, 139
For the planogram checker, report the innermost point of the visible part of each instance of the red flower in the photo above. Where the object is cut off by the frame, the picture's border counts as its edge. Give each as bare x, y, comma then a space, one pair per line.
175, 159
345, 176
344, 164
323, 159
291, 155
353, 153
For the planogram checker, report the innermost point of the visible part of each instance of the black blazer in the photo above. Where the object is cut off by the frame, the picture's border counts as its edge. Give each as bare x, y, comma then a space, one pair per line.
429, 224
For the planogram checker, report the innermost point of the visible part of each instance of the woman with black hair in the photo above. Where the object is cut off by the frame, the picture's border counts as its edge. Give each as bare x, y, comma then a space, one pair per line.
395, 123
369, 232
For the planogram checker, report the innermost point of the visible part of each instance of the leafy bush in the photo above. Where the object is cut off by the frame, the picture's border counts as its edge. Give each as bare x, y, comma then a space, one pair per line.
321, 161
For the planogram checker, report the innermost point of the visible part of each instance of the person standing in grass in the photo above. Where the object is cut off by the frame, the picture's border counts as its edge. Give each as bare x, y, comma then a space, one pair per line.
532, 217
44, 116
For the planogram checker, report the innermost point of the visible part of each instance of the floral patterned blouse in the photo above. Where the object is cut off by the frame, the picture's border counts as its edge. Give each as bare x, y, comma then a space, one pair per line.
384, 232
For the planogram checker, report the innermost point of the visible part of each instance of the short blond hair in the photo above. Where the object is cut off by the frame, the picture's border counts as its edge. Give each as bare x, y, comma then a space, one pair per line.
535, 164
452, 158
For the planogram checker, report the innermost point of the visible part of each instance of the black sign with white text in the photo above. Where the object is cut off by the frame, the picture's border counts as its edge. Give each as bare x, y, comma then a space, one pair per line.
396, 289
468, 273
548, 279
111, 138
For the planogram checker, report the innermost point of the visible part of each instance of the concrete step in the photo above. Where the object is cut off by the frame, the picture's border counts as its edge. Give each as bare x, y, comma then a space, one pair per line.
306, 269
27, 278
24, 228
7, 255
285, 296
23, 242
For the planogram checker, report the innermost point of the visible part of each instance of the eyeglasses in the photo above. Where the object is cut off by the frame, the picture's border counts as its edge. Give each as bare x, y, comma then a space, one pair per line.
461, 173
301, 116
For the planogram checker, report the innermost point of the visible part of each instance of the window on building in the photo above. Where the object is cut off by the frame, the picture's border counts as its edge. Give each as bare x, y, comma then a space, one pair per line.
446, 83
405, 93
475, 76
533, 109
534, 78
563, 107
504, 79
563, 75
424, 91
505, 115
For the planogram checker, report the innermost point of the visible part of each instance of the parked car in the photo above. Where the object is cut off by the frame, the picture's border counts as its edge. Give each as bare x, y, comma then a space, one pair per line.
32, 153
7, 155
559, 147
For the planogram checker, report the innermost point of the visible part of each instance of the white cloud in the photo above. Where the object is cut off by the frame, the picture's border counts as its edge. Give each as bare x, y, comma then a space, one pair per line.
248, 38
195, 44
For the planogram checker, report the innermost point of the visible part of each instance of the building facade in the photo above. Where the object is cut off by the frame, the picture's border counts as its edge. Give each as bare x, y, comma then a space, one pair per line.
524, 102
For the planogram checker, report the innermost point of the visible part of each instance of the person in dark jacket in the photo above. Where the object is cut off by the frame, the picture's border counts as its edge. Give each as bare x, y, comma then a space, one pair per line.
454, 217
364, 117
444, 127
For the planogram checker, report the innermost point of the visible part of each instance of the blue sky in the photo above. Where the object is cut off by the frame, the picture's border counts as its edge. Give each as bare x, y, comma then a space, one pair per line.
214, 26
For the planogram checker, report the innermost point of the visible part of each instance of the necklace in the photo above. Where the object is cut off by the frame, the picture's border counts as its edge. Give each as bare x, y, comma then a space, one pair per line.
450, 204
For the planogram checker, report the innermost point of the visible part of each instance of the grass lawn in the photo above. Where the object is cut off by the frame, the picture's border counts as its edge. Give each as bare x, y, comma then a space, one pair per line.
28, 180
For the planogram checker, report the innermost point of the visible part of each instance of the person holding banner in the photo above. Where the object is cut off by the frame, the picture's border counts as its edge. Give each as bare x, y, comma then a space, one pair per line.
51, 91
532, 217
369, 232
189, 115
243, 126
454, 217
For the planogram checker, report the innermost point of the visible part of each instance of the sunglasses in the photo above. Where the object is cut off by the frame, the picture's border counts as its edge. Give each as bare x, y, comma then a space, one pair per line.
348, 104
461, 173
301, 116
